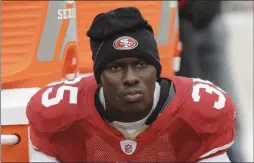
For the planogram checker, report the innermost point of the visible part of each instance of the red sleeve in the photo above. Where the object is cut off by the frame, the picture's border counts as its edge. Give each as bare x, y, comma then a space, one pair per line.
41, 142
53, 107
49, 110
211, 112
217, 144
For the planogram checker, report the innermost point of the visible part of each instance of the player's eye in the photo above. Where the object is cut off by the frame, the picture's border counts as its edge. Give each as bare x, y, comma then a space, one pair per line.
141, 64
115, 67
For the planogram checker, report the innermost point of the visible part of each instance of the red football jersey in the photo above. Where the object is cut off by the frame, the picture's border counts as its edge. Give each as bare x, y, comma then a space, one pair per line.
198, 123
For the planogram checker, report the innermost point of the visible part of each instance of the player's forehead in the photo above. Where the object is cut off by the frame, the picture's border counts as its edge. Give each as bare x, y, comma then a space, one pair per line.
126, 60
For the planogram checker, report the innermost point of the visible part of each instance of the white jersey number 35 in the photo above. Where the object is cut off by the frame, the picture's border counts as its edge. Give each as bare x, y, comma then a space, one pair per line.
204, 84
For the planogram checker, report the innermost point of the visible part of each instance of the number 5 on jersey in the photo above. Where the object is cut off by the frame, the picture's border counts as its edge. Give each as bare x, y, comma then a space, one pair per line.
47, 102
219, 104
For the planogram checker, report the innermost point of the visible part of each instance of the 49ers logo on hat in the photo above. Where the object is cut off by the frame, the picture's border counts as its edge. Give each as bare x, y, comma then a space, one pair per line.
125, 43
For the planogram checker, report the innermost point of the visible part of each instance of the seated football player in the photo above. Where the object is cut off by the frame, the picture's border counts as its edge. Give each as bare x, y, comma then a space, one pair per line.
127, 111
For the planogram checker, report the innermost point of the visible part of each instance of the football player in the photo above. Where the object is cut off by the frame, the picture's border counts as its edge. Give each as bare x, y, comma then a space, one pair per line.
127, 111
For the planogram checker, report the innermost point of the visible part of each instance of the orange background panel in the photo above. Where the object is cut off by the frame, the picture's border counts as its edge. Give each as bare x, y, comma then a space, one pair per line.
18, 152
22, 26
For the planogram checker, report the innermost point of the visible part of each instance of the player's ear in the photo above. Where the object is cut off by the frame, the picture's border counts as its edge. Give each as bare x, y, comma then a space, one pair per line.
101, 81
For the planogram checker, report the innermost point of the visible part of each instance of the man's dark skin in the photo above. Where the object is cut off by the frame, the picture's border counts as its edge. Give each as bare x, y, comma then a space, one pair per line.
128, 87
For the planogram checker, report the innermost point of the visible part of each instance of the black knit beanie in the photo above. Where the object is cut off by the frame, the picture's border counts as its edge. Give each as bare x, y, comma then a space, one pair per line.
119, 33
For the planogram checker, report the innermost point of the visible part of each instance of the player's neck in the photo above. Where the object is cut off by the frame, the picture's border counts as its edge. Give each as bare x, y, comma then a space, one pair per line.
128, 117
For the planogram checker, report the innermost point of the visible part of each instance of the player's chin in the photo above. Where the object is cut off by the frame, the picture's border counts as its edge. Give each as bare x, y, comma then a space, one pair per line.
132, 107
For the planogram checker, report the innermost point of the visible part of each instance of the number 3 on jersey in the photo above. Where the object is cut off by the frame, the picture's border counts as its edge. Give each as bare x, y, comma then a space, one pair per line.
219, 104
47, 102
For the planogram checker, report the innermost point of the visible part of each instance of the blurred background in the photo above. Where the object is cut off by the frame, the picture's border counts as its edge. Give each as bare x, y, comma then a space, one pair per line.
238, 18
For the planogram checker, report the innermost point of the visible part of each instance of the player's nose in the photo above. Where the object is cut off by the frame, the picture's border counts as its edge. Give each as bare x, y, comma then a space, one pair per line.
130, 77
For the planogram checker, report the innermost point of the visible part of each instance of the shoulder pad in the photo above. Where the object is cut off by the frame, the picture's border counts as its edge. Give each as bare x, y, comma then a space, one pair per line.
56, 105
206, 107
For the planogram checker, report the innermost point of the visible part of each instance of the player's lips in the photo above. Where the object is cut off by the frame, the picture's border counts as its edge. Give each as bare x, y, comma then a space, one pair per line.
133, 96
